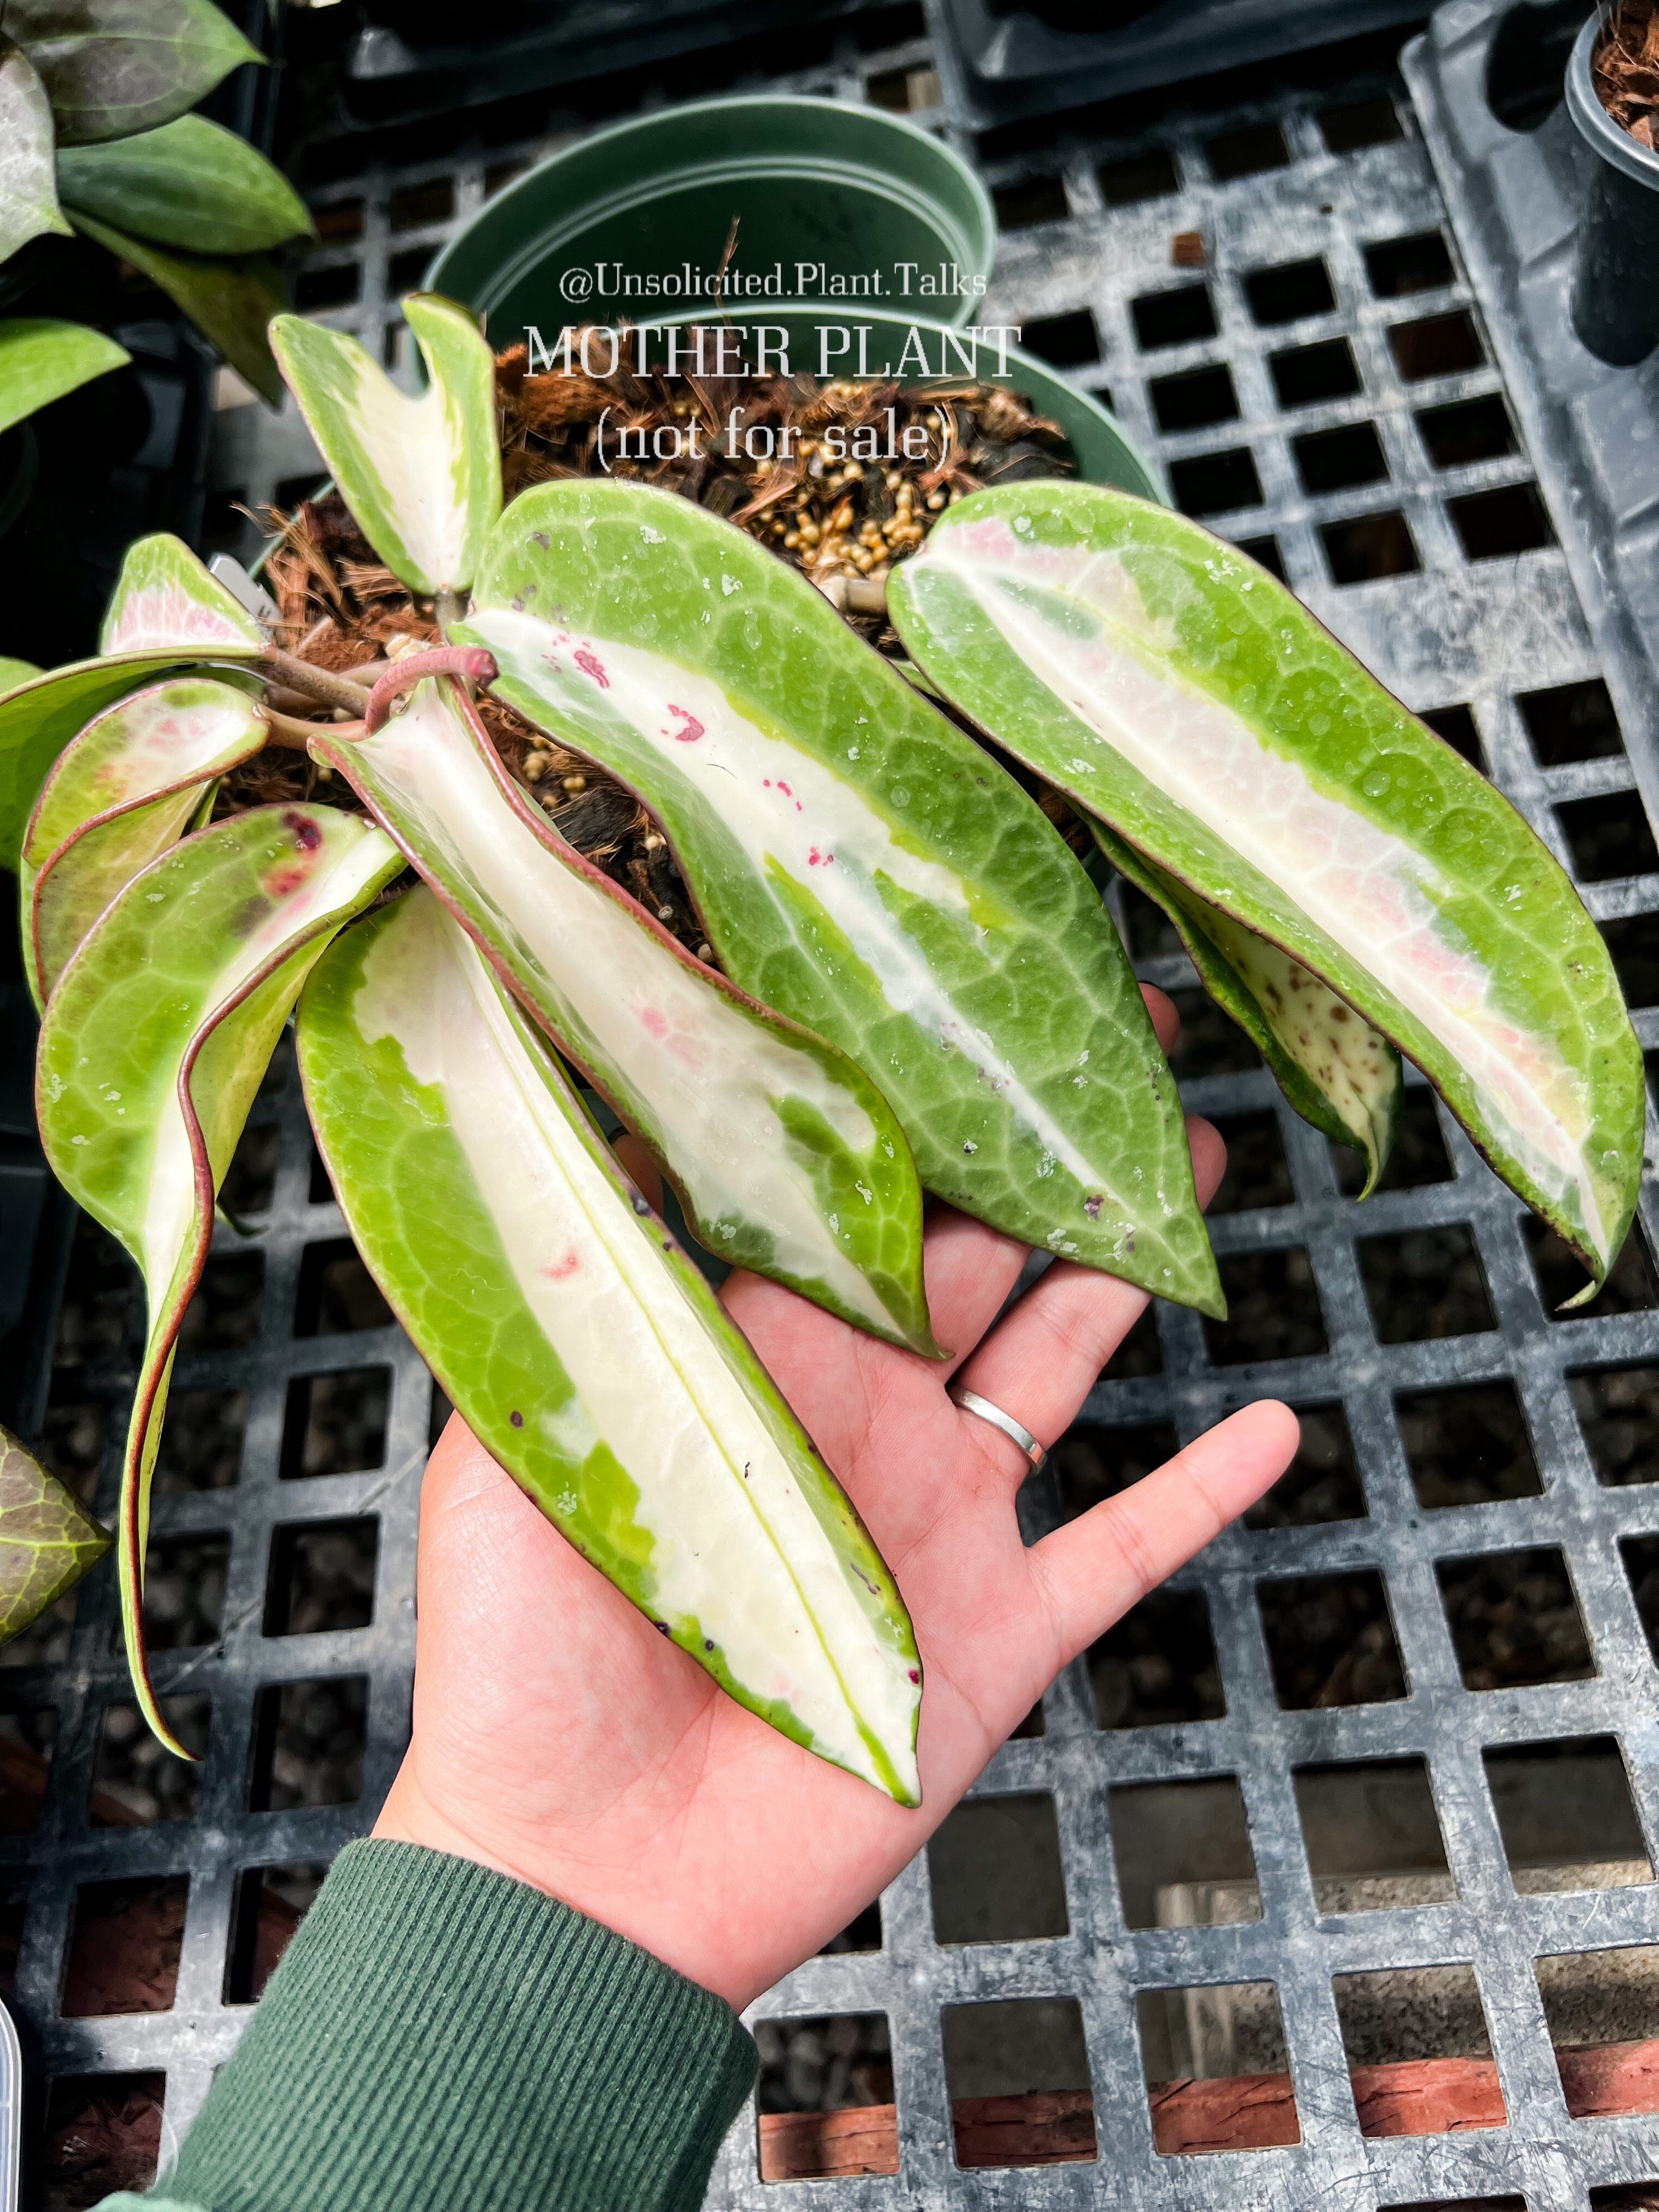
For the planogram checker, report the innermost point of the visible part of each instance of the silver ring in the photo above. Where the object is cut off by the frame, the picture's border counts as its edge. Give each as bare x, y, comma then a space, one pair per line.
971, 1402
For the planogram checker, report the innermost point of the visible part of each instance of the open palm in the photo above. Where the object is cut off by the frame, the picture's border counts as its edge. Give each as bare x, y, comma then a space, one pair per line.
559, 1738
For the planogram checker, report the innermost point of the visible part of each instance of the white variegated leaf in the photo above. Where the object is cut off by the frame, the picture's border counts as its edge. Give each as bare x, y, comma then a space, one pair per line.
421, 475
153, 1046
1183, 696
165, 597
588, 1354
788, 1159
121, 793
1336, 1070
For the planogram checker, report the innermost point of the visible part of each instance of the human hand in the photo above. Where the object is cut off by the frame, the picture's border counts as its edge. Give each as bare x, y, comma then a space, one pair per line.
561, 1740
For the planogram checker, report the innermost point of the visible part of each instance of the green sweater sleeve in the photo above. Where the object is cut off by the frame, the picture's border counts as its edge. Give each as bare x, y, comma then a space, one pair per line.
439, 2037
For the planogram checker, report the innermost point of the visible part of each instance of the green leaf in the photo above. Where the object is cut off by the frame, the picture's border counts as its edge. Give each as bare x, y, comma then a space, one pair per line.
40, 360
786, 1157
28, 199
14, 672
422, 475
166, 611
858, 865
116, 66
584, 1350
1184, 696
121, 793
230, 303
46, 1542
191, 183
1336, 1070
153, 1046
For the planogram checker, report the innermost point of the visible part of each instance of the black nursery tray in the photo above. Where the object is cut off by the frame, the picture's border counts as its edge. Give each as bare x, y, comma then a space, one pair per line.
1513, 197
1004, 60
1378, 1773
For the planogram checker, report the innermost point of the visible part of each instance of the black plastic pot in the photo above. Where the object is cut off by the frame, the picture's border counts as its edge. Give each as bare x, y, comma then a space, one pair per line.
1615, 279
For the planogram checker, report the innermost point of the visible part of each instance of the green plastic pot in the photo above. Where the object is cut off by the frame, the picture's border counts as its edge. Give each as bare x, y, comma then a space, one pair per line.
882, 347
836, 342
833, 201
820, 340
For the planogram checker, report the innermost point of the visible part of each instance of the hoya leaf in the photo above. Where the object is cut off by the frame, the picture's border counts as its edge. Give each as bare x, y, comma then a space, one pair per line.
1184, 696
583, 1348
230, 303
422, 475
46, 1541
121, 793
786, 1158
14, 672
859, 864
153, 1046
165, 596
40, 360
116, 66
1336, 1070
40, 717
191, 182
166, 612
28, 199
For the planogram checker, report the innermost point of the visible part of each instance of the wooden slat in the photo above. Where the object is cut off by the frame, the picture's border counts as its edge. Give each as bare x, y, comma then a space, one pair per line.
1245, 2111
1601, 2081
1052, 2127
817, 2146
1241, 2112
1428, 2097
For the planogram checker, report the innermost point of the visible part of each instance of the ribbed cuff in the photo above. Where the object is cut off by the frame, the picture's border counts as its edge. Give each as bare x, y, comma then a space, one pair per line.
439, 2038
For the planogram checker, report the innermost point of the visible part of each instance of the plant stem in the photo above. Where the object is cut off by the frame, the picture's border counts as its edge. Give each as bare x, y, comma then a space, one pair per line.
315, 683
295, 736
467, 664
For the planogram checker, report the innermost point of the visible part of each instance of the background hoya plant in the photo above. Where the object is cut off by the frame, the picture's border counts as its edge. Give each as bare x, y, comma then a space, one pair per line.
95, 137
905, 980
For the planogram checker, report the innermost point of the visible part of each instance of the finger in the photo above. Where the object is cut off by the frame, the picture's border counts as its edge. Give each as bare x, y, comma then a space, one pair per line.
1165, 1020
1090, 1572
637, 1164
969, 1269
1041, 1362
464, 1488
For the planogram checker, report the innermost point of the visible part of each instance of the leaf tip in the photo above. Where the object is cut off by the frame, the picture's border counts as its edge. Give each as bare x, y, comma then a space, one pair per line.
1587, 1292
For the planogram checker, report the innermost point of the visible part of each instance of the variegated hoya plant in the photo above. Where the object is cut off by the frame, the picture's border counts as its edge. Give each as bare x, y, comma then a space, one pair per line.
918, 987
